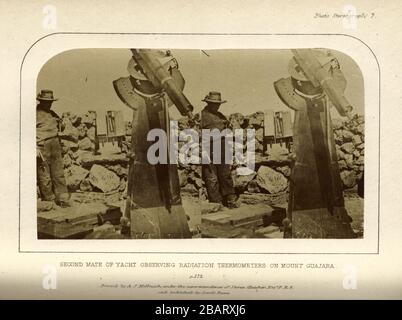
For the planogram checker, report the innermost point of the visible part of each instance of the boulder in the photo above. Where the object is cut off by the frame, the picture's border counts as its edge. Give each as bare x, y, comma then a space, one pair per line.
77, 162
86, 185
88, 158
182, 177
359, 129
73, 155
75, 119
348, 147
88, 118
242, 176
86, 144
347, 135
338, 137
356, 140
236, 120
348, 178
253, 187
91, 133
356, 154
183, 123
82, 154
270, 180
69, 131
197, 182
340, 154
103, 179
67, 144
239, 155
197, 170
360, 146
276, 153
349, 160
337, 123
82, 131
259, 135
285, 170
359, 119
255, 120
279, 200
185, 157
64, 149
194, 178
118, 169
360, 161
65, 115
74, 176
123, 183
190, 189
342, 164
67, 160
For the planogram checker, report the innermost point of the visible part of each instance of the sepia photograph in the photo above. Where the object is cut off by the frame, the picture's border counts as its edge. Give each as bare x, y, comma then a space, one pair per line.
200, 151
184, 143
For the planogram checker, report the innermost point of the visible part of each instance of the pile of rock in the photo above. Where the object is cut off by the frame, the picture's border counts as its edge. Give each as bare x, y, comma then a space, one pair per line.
253, 121
87, 172
272, 168
190, 175
191, 180
271, 174
349, 139
105, 177
78, 136
269, 182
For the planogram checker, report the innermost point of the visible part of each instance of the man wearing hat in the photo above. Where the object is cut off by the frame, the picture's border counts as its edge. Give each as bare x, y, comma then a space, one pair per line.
51, 180
217, 176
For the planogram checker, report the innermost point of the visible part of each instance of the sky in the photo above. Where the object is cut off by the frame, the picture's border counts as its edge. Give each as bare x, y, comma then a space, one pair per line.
82, 79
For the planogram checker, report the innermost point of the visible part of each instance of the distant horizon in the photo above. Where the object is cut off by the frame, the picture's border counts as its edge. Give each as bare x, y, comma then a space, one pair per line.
82, 79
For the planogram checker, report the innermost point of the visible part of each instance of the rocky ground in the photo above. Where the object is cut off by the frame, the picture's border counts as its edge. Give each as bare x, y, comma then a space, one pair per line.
102, 178
269, 182
355, 207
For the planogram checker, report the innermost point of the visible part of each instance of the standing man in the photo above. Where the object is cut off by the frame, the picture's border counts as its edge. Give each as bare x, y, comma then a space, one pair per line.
217, 176
50, 168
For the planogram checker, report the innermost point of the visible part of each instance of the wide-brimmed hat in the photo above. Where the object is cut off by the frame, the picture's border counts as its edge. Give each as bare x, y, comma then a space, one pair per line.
215, 97
46, 95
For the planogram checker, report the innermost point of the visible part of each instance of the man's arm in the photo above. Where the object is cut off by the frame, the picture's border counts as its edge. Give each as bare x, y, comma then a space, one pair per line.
61, 124
209, 121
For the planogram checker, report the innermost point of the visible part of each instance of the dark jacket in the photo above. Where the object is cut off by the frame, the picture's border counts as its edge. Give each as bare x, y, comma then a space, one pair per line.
213, 120
47, 123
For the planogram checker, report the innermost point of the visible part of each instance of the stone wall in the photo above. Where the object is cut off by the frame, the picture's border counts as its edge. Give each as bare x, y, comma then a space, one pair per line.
88, 172
349, 139
273, 171
272, 167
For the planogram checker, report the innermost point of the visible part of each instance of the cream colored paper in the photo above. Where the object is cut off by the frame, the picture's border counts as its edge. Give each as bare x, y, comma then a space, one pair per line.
157, 269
